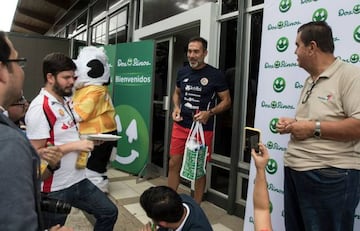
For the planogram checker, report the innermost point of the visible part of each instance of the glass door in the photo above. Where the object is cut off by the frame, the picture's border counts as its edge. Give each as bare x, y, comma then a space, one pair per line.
161, 104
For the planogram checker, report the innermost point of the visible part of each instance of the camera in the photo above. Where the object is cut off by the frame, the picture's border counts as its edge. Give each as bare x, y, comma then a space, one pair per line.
54, 206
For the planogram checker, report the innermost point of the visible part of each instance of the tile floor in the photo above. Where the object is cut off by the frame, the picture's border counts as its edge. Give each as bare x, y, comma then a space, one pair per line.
125, 191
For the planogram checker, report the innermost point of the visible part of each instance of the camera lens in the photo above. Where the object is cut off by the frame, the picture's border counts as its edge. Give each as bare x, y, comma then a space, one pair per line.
55, 206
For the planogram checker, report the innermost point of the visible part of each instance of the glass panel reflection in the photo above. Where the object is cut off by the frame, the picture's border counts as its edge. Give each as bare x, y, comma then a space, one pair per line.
220, 179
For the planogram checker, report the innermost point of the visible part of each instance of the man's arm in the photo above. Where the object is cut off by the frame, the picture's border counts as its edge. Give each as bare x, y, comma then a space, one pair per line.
223, 105
343, 130
261, 198
177, 102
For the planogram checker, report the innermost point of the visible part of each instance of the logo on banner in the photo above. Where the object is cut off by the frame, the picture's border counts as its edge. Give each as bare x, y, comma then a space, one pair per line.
272, 125
277, 105
280, 64
274, 146
279, 84
285, 6
354, 58
283, 24
357, 34
320, 15
271, 166
355, 10
282, 44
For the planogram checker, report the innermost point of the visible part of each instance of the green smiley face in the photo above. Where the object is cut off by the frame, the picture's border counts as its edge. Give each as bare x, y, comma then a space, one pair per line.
357, 34
354, 58
282, 44
133, 146
356, 9
272, 125
273, 104
280, 24
320, 15
284, 5
271, 166
277, 64
279, 84
269, 144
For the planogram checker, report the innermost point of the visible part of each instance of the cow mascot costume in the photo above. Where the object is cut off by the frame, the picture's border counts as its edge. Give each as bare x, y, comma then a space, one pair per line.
94, 112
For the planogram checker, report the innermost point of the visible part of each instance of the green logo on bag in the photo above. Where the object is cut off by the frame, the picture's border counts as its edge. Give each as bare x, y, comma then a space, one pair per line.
279, 84
357, 34
271, 166
272, 125
282, 44
320, 15
284, 6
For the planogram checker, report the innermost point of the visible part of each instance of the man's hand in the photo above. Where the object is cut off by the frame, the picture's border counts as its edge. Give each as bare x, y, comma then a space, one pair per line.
51, 154
261, 159
302, 129
284, 125
176, 114
202, 116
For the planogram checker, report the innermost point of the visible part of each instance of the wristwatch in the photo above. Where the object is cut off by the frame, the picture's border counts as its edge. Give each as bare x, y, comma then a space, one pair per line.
52, 170
317, 131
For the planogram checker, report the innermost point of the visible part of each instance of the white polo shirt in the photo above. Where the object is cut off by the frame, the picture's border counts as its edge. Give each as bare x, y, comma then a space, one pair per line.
61, 119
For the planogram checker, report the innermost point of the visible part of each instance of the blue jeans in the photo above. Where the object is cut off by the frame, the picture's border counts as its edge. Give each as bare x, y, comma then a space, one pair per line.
322, 199
85, 196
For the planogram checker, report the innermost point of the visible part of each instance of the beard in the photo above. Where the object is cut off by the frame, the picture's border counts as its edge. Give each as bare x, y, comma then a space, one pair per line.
62, 91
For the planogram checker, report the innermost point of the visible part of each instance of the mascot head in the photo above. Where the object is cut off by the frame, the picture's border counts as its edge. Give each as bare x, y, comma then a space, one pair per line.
92, 67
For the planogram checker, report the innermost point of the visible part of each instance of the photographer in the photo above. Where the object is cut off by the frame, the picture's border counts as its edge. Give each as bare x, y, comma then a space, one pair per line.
19, 162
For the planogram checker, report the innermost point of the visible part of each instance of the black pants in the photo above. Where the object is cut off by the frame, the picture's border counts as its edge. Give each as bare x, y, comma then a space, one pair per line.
100, 156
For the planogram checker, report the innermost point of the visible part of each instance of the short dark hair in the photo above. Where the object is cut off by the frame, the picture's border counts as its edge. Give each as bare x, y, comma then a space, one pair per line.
320, 32
199, 39
4, 48
162, 203
57, 62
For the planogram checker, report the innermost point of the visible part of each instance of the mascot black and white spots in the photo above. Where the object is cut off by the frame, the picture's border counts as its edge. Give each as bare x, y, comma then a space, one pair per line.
95, 112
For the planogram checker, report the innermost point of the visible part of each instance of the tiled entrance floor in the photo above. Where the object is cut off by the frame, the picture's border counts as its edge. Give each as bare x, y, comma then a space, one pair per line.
125, 191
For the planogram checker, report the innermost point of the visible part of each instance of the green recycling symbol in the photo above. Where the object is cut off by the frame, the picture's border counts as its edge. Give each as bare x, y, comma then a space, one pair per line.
320, 15
272, 125
271, 166
282, 44
133, 146
284, 6
357, 34
354, 58
279, 84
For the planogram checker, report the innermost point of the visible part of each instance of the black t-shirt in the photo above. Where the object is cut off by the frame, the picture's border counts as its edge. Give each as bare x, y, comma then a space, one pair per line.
199, 89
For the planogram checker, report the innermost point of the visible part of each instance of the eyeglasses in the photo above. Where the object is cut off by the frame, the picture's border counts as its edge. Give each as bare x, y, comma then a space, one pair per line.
20, 102
308, 92
20, 61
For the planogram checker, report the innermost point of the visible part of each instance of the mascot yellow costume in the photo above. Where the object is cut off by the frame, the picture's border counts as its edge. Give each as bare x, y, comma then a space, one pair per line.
94, 110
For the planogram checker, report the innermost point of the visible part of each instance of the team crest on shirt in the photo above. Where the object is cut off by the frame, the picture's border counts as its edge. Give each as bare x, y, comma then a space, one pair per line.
204, 81
61, 112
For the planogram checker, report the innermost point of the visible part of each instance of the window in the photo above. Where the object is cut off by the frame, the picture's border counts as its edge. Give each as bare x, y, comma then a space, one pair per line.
254, 60
228, 6
118, 27
223, 129
98, 33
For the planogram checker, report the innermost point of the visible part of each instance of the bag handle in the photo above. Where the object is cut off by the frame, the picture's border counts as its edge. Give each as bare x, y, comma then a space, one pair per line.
193, 130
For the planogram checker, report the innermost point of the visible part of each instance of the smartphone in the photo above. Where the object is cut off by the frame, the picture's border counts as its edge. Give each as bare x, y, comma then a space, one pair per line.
252, 138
